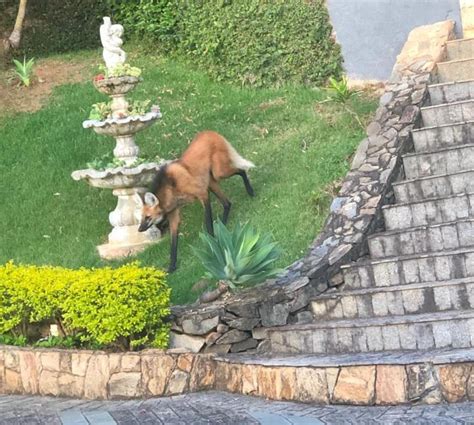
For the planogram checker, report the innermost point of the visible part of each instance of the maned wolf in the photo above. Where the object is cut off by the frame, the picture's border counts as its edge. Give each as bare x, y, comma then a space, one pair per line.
208, 159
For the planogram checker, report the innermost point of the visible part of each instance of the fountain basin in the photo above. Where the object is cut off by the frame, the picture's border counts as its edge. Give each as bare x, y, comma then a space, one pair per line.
118, 127
119, 177
116, 85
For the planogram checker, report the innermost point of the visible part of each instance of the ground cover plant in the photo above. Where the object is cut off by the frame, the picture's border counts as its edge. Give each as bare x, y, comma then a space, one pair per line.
299, 145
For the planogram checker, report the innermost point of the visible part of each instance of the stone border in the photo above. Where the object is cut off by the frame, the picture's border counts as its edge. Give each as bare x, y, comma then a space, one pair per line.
100, 375
239, 323
154, 373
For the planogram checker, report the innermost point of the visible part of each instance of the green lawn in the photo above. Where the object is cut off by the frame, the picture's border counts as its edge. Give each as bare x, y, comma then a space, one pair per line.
298, 146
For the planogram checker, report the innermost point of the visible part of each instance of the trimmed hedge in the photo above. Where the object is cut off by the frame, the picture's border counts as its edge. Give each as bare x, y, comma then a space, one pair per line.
122, 308
251, 42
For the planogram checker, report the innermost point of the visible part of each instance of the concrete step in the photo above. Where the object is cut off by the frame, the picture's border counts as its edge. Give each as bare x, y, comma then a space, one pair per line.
422, 240
416, 298
448, 113
438, 186
430, 139
410, 269
428, 211
456, 70
440, 356
451, 92
408, 332
460, 49
444, 161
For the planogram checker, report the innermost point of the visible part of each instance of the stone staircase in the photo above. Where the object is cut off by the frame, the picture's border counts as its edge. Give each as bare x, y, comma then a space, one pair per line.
416, 291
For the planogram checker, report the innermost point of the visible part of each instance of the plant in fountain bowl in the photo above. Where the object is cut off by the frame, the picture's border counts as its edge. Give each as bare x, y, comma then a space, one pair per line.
118, 80
107, 161
100, 111
236, 258
103, 110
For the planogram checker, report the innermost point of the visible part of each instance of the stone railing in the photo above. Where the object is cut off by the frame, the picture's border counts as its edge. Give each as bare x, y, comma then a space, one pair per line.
238, 323
98, 375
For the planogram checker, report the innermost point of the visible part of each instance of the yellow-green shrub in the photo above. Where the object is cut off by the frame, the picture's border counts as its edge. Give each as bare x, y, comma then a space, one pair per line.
124, 306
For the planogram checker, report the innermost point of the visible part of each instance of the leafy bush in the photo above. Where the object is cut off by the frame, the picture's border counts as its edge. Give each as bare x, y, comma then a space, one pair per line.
156, 19
252, 42
123, 307
238, 257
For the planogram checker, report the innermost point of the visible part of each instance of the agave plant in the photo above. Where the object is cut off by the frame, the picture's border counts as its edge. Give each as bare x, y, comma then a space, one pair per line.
24, 70
238, 257
340, 91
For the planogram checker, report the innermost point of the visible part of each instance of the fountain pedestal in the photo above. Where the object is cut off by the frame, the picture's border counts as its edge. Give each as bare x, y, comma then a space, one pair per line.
124, 239
127, 180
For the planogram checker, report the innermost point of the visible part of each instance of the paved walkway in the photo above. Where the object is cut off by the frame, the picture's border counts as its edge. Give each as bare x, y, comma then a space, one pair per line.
217, 408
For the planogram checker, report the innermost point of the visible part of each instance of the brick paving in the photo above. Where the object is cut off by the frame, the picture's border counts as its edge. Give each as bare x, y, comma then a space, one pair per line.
218, 408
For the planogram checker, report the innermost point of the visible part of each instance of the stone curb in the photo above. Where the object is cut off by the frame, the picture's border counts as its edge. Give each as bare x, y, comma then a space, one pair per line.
154, 373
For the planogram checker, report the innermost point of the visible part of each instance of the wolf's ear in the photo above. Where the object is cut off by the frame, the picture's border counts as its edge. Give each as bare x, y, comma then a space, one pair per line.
151, 200
138, 200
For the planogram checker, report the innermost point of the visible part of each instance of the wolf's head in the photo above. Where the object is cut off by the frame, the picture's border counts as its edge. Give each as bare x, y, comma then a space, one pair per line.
149, 211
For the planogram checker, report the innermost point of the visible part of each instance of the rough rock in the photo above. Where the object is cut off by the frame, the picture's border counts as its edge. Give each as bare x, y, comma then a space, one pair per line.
244, 324
245, 345
233, 336
192, 343
274, 314
198, 326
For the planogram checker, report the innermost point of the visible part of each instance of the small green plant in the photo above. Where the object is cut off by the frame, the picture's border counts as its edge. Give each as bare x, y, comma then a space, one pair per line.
57, 341
340, 91
138, 107
121, 70
103, 110
238, 257
100, 111
8, 339
24, 70
108, 161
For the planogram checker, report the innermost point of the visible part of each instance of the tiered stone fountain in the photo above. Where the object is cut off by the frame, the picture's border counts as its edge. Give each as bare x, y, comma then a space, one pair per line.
126, 180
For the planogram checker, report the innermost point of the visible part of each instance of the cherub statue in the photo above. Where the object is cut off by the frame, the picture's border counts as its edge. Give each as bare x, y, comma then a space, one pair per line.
110, 37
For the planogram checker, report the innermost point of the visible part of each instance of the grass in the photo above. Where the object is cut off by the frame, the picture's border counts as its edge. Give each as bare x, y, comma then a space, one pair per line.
300, 147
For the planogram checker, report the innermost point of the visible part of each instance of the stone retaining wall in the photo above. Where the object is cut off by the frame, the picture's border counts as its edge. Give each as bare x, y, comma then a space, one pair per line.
382, 384
100, 375
238, 323
154, 373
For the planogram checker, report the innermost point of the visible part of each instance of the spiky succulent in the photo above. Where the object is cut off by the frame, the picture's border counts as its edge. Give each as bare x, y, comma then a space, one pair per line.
240, 256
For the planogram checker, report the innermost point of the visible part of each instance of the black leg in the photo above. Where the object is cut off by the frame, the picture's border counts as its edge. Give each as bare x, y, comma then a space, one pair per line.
225, 216
173, 219
208, 216
214, 188
247, 184
174, 252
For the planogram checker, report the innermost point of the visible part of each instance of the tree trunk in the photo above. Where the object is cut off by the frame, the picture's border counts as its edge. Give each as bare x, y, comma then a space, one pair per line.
15, 37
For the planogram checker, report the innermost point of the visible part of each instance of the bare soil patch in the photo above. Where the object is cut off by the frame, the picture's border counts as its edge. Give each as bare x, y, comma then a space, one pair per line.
48, 73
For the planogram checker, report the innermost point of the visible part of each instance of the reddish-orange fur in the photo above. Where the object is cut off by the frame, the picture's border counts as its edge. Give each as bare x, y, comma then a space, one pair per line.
208, 159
